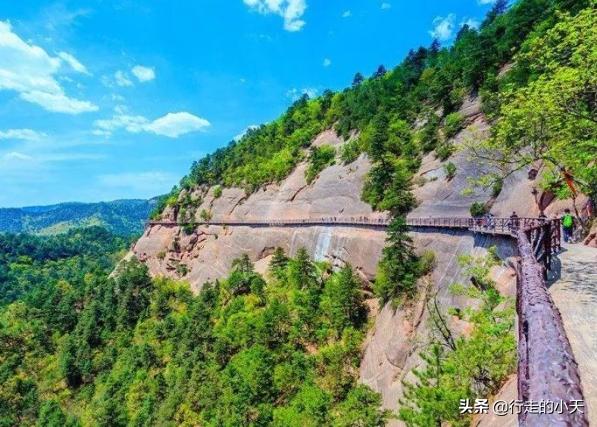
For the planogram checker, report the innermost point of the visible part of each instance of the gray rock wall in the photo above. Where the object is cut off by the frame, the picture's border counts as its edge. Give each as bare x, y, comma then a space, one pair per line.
392, 347
208, 251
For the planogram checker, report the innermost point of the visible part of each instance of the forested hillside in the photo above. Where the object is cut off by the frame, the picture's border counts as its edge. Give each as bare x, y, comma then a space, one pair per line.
543, 109
81, 346
122, 217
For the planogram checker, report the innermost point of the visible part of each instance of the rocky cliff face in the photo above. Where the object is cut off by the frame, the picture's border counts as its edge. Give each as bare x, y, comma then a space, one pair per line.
207, 253
393, 344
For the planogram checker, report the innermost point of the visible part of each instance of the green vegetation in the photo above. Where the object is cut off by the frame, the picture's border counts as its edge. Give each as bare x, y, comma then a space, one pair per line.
453, 124
122, 217
399, 268
29, 263
444, 151
205, 215
319, 159
450, 169
127, 350
466, 367
478, 209
351, 151
80, 347
217, 192
546, 108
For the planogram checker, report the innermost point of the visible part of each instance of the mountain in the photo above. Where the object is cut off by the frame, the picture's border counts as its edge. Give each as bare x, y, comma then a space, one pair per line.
121, 217
321, 323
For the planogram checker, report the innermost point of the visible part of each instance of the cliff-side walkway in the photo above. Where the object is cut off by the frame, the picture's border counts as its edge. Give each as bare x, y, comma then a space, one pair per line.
547, 369
575, 294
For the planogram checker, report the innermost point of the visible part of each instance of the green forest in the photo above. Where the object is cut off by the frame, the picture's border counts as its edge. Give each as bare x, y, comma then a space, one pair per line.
86, 348
87, 338
79, 346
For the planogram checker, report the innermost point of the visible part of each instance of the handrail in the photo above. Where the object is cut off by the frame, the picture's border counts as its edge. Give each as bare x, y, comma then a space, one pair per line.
492, 226
547, 370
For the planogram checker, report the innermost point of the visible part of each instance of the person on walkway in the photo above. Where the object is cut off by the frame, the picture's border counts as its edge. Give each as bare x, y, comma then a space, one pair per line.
514, 222
542, 217
489, 221
567, 225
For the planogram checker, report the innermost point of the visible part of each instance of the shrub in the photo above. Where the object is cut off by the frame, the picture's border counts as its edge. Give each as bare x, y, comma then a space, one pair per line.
205, 215
189, 227
496, 188
426, 262
217, 192
319, 159
428, 136
350, 151
182, 270
453, 123
478, 209
444, 151
450, 169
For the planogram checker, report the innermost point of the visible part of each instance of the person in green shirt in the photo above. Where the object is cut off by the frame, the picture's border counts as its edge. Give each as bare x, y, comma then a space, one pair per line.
567, 225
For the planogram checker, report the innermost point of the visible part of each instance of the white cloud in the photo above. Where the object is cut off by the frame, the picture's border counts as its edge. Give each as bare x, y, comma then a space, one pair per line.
244, 132
291, 10
28, 70
143, 74
295, 93
175, 124
133, 124
73, 62
485, 1
471, 22
14, 155
58, 102
346, 14
327, 62
171, 125
443, 27
122, 79
21, 134
386, 6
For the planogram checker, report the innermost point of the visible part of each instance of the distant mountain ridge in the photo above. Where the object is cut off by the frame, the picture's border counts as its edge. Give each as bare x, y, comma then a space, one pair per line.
123, 217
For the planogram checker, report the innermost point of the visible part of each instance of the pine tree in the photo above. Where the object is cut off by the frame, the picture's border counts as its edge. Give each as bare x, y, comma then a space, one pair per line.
380, 72
342, 301
398, 269
357, 80
424, 402
278, 263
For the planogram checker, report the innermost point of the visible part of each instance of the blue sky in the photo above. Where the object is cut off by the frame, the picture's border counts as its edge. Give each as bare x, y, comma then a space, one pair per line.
101, 100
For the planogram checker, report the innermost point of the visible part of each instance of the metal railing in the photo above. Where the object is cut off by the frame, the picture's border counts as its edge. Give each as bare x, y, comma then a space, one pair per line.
482, 225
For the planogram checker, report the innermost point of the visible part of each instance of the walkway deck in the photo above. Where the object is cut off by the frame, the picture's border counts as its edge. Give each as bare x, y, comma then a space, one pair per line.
575, 295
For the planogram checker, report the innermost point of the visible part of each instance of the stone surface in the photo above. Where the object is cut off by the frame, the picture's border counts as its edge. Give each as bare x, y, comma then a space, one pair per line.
392, 346
441, 197
508, 393
209, 251
574, 292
